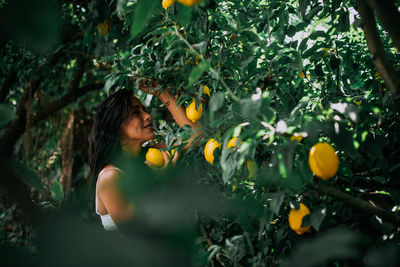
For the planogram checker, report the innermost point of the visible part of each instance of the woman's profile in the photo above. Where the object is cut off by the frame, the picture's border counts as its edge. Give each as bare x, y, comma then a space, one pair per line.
121, 124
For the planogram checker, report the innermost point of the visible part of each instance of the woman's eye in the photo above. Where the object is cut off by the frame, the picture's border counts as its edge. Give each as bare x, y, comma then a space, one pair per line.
135, 112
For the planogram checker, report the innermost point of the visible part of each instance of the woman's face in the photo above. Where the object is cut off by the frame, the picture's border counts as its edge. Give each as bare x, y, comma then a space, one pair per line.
139, 126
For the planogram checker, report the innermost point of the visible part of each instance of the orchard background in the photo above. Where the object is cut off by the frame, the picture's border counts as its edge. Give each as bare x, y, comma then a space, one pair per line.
283, 76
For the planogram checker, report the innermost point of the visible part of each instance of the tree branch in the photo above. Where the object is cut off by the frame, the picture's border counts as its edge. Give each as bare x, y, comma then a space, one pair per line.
376, 47
357, 203
58, 104
17, 127
389, 16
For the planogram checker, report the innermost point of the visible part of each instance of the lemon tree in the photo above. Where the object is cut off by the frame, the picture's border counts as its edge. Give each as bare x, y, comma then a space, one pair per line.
297, 153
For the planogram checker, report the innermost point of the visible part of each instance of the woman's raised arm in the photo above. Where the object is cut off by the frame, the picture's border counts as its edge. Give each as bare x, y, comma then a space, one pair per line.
169, 101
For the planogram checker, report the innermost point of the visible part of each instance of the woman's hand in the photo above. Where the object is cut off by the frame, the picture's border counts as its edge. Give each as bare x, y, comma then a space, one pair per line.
148, 85
167, 159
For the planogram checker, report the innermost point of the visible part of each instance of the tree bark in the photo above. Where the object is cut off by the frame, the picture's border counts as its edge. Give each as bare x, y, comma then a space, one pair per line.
66, 144
389, 16
376, 47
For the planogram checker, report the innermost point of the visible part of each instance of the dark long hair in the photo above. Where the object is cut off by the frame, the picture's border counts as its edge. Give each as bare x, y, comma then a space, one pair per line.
104, 137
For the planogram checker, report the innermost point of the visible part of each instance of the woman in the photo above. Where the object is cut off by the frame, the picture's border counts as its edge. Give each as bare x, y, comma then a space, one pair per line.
121, 124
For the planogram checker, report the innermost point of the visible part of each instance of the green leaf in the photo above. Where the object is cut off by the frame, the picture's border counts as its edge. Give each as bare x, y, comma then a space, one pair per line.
184, 15
26, 174
198, 71
379, 179
6, 114
303, 8
303, 45
250, 108
317, 34
277, 201
57, 192
110, 81
318, 70
338, 243
313, 12
317, 217
143, 12
216, 102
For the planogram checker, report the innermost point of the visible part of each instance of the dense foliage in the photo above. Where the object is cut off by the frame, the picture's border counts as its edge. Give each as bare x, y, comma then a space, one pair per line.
283, 76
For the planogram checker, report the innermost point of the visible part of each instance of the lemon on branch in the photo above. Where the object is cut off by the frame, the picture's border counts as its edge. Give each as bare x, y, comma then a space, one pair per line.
192, 113
211, 145
155, 157
296, 219
232, 143
189, 2
206, 91
167, 3
323, 160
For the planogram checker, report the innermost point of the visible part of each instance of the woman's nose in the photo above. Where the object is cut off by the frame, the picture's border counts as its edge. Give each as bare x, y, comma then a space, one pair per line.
147, 116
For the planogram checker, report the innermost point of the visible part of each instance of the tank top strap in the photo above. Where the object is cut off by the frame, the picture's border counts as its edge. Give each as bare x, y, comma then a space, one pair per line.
98, 178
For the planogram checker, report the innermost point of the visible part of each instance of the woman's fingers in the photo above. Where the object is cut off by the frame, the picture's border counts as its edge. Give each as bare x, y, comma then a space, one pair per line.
152, 166
166, 158
147, 85
175, 157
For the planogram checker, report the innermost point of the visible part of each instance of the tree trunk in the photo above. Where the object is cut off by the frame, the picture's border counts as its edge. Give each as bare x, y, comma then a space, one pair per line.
66, 153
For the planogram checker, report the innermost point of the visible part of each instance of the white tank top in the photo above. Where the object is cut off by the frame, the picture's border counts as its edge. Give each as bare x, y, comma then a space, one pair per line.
106, 219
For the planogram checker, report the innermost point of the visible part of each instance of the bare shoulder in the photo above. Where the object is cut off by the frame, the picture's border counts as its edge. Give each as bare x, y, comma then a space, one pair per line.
108, 179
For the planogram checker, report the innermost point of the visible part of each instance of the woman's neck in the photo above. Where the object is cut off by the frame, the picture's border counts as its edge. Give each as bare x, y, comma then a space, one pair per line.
133, 148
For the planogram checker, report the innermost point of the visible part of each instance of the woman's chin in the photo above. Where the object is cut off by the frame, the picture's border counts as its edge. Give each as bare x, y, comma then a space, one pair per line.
151, 137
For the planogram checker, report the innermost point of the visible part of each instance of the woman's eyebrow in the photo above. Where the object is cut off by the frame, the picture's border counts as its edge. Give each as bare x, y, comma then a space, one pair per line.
135, 106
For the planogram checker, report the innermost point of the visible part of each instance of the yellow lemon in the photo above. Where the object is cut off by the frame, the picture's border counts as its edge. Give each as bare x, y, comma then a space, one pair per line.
323, 160
211, 145
206, 91
167, 3
296, 136
232, 142
296, 219
189, 2
155, 157
252, 168
192, 113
